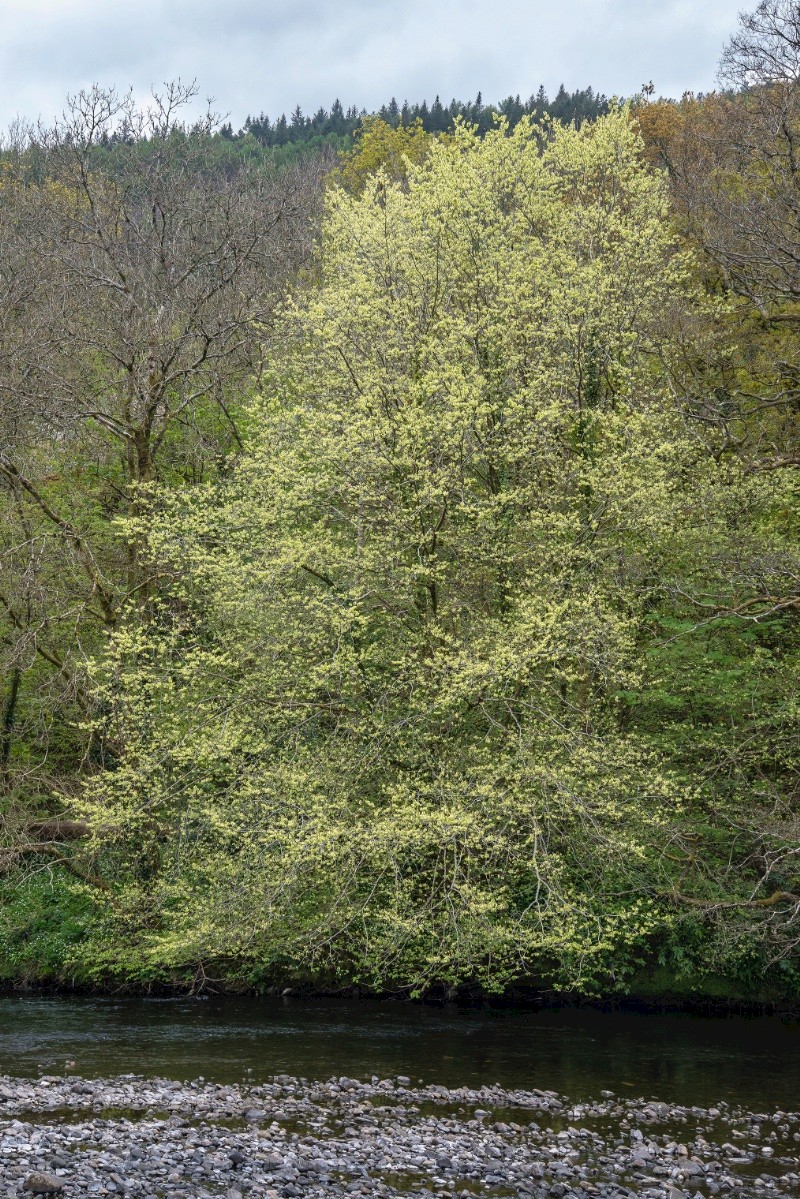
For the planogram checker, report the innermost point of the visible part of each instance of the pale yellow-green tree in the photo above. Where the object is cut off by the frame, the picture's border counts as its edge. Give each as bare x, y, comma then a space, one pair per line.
378, 731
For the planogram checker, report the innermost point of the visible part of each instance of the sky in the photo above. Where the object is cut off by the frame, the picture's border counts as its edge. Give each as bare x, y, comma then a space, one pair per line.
253, 56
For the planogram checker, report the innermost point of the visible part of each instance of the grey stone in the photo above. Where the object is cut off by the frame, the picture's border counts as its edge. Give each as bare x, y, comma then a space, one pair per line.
43, 1184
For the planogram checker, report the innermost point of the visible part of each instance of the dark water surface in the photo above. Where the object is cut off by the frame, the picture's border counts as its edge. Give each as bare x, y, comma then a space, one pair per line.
679, 1058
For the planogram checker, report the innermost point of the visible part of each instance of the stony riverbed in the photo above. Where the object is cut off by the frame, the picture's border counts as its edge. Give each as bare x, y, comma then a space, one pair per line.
157, 1139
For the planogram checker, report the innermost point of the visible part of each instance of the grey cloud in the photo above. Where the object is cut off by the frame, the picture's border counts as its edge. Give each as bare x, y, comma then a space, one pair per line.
254, 55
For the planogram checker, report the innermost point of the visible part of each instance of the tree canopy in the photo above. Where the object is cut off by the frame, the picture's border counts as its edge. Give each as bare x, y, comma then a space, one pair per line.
393, 720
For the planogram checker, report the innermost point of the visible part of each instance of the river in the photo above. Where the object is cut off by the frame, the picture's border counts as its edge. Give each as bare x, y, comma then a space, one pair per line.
676, 1057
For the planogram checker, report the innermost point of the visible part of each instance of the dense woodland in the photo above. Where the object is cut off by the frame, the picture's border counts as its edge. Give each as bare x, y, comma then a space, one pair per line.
399, 563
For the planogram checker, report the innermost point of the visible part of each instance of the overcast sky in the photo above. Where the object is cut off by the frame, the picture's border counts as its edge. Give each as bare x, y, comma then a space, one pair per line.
268, 55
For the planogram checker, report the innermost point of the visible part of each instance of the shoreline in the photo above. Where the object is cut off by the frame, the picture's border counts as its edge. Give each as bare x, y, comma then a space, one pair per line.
289, 1137
523, 997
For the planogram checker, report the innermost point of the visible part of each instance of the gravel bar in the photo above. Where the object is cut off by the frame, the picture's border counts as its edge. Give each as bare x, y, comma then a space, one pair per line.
153, 1138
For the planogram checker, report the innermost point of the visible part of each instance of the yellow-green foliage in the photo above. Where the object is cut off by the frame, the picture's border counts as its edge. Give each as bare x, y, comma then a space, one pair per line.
382, 147
376, 730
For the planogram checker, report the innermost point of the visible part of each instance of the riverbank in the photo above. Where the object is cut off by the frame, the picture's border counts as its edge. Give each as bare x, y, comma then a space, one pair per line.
384, 1137
650, 996
46, 927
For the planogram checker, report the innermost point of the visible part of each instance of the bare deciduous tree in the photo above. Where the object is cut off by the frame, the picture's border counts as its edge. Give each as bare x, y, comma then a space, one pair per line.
139, 275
